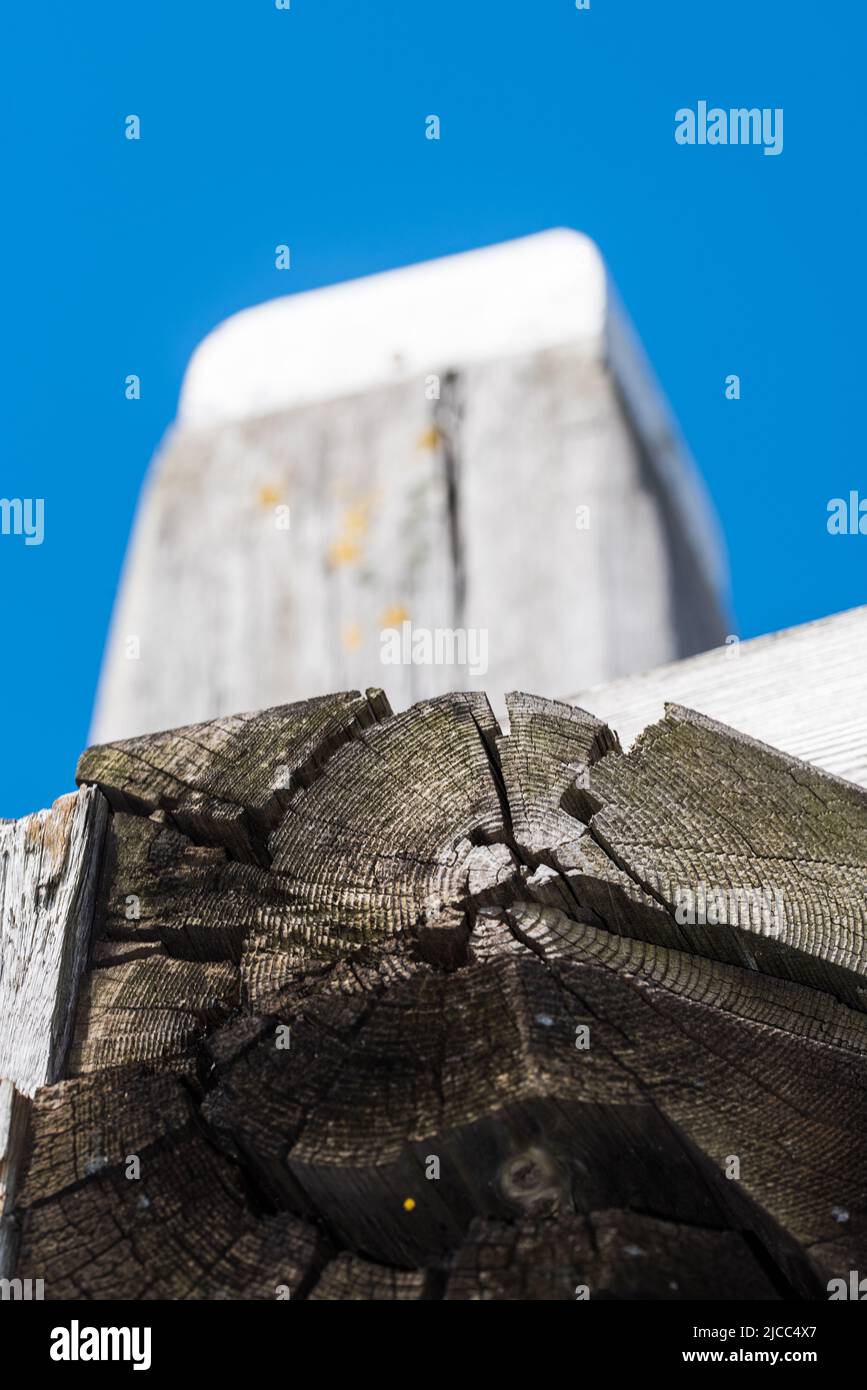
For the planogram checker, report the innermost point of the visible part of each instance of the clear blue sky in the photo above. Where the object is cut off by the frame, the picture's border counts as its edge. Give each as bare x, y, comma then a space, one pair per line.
307, 127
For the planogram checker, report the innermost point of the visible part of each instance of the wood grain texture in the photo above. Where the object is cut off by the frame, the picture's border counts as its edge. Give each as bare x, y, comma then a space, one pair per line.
49, 865
803, 690
433, 1029
14, 1136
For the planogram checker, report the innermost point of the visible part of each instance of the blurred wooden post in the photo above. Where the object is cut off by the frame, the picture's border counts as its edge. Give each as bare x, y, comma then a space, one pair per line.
474, 446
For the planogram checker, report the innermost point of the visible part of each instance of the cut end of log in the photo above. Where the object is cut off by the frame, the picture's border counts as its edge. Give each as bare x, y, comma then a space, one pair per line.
443, 1012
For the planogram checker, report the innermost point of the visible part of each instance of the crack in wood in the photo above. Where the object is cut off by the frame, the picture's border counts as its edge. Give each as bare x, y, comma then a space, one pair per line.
339, 1034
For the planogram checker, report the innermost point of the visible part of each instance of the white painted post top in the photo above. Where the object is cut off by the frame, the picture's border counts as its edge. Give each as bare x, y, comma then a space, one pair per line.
516, 297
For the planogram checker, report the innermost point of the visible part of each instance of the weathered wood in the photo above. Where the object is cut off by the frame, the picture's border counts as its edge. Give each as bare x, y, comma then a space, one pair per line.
432, 1028
803, 690
391, 451
349, 1279
227, 781
616, 1254
781, 845
49, 865
14, 1131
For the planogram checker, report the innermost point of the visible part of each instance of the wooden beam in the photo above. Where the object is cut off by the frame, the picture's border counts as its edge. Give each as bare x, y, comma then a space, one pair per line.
803, 690
49, 867
436, 1025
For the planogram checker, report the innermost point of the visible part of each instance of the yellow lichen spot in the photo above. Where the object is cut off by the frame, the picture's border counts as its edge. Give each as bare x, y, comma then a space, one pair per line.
409, 1204
268, 496
430, 439
394, 616
356, 520
354, 523
351, 637
342, 552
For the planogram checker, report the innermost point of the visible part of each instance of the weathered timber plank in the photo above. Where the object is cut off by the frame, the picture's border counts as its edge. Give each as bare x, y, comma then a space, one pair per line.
14, 1123
49, 865
803, 690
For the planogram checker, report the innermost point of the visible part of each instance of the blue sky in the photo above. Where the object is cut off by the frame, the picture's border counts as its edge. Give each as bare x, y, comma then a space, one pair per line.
307, 127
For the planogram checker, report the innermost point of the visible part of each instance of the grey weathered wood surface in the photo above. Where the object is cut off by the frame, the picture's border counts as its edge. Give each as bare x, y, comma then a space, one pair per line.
450, 513
49, 865
803, 690
363, 941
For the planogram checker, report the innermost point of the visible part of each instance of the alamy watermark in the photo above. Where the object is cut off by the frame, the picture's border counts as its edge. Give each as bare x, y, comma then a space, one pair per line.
23, 516
77, 1343
738, 126
438, 646
23, 1290
855, 1289
847, 516
703, 905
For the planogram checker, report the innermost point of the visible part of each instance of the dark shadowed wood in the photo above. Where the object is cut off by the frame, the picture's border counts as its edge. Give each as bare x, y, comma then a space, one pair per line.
608, 1255
426, 1025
